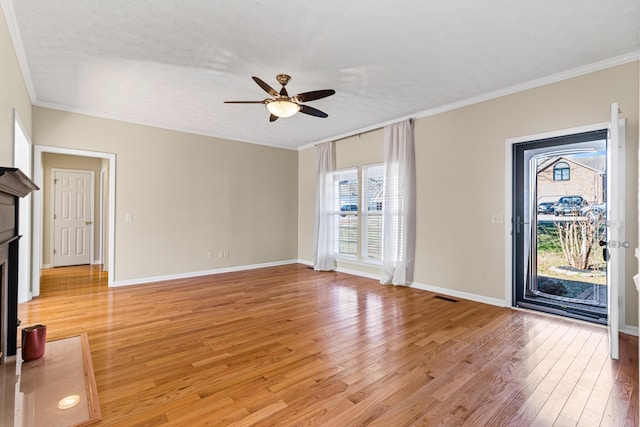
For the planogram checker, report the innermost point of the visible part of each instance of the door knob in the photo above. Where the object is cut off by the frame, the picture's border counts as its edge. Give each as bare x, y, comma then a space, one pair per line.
87, 223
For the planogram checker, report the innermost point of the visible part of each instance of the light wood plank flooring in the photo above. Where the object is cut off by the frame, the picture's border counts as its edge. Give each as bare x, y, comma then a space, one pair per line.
288, 346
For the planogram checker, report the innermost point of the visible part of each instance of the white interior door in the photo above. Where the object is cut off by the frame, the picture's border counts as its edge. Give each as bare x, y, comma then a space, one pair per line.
72, 217
615, 226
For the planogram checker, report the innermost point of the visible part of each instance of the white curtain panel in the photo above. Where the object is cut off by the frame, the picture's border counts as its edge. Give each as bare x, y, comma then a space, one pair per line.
399, 210
323, 237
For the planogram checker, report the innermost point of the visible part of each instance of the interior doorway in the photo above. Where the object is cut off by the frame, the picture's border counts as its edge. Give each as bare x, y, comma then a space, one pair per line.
105, 214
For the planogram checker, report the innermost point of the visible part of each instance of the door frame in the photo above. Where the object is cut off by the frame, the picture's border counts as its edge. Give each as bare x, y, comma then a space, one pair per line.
52, 203
22, 158
38, 172
508, 205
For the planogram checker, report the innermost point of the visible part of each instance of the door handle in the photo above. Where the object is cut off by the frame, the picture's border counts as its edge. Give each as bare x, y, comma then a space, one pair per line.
605, 252
614, 244
605, 255
87, 223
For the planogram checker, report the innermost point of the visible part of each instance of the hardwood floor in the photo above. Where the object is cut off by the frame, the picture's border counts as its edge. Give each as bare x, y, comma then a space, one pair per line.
288, 346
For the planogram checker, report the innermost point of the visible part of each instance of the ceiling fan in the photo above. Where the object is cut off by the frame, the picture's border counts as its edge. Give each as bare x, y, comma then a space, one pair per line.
283, 105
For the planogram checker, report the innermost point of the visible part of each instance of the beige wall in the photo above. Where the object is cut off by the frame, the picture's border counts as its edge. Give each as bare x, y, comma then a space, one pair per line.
13, 94
460, 160
187, 195
60, 161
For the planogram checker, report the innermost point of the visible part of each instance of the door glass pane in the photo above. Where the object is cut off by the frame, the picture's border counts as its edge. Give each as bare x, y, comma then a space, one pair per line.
559, 220
570, 223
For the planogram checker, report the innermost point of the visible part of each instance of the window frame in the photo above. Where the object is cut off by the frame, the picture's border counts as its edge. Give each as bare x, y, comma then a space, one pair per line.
358, 218
564, 171
366, 171
342, 216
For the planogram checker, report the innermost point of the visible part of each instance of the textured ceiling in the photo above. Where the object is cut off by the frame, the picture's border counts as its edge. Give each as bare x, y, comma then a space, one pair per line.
172, 63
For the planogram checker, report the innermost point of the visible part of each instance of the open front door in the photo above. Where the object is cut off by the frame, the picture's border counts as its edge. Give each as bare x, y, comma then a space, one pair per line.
615, 244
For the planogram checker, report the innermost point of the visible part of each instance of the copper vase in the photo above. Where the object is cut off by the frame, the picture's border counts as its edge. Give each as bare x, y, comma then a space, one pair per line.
33, 341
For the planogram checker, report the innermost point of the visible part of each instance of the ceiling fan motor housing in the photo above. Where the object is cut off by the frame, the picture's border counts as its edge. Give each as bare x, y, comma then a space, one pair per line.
283, 79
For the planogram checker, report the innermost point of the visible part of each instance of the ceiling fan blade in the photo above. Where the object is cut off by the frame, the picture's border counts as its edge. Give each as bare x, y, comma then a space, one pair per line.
273, 118
312, 111
271, 91
314, 94
244, 102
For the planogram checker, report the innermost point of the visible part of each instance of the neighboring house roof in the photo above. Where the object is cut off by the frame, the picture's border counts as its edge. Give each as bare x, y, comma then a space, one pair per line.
597, 164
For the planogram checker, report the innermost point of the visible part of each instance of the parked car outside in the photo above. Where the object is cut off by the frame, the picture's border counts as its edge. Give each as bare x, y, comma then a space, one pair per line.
348, 208
545, 208
569, 205
594, 212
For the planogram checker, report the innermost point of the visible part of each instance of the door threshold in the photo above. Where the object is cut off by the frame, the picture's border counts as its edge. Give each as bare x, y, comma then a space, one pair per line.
555, 316
590, 318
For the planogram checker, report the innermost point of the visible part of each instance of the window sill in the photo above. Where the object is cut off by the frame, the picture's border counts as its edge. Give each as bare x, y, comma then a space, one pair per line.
360, 262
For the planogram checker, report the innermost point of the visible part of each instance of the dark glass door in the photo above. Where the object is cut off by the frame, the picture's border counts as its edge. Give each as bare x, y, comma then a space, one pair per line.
559, 220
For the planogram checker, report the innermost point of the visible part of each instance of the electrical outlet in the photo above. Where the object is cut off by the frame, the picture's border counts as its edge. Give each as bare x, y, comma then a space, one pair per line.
220, 254
226, 254
209, 255
496, 218
128, 217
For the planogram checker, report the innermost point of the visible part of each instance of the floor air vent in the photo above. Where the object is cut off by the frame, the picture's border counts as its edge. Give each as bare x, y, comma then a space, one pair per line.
445, 298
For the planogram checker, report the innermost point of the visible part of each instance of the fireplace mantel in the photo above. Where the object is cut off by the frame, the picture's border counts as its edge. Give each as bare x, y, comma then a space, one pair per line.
16, 183
13, 185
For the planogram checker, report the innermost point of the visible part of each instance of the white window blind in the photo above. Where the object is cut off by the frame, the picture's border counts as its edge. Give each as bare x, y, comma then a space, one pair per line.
372, 198
346, 212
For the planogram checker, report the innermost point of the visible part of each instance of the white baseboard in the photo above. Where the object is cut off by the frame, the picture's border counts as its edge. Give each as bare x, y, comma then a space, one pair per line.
95, 262
358, 273
459, 294
304, 262
144, 280
421, 286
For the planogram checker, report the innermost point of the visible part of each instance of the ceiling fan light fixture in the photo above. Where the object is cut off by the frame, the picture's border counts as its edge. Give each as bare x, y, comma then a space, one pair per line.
282, 108
283, 105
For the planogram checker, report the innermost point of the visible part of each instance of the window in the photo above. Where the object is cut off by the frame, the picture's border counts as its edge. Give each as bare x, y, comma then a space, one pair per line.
346, 207
561, 171
358, 212
372, 198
